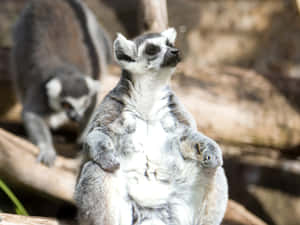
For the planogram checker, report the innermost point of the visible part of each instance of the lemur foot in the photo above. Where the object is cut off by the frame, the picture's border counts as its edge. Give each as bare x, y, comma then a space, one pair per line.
47, 156
102, 151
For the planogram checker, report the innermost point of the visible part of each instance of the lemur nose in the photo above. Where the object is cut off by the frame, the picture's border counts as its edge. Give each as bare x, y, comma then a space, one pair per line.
174, 51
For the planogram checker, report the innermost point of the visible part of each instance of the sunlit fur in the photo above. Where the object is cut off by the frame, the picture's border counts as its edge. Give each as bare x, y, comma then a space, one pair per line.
144, 167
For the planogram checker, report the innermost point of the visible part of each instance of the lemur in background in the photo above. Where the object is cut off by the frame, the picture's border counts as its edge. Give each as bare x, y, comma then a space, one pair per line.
58, 54
148, 163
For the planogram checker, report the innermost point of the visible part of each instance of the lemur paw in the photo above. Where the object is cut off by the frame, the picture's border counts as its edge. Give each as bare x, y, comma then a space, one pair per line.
47, 156
209, 153
102, 151
108, 161
203, 150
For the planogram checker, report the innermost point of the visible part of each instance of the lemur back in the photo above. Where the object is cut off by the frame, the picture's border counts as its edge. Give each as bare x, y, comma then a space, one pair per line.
148, 163
59, 51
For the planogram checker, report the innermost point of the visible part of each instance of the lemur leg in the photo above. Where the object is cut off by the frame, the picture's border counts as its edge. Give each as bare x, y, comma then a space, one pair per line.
40, 135
209, 155
101, 197
86, 120
101, 150
216, 200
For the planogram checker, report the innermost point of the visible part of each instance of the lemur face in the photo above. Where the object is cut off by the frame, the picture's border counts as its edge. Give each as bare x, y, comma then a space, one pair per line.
72, 95
150, 52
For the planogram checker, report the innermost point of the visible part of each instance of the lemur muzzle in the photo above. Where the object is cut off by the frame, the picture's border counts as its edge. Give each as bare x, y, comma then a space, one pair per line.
172, 57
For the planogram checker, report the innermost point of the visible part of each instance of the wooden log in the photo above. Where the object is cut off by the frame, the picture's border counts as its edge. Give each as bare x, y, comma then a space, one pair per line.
235, 106
11, 219
154, 15
238, 106
238, 214
8, 98
18, 165
235, 214
298, 4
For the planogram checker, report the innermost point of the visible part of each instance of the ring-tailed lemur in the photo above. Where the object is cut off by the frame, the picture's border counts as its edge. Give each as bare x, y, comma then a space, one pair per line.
148, 163
58, 54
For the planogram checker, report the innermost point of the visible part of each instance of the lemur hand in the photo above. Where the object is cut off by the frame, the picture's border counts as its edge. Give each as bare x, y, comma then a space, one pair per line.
102, 151
47, 155
203, 149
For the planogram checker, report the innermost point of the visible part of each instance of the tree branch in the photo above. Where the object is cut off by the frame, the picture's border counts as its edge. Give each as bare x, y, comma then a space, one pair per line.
235, 214
18, 165
154, 15
11, 219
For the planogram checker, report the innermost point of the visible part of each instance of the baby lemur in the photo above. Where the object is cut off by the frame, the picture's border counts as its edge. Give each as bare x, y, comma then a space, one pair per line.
148, 163
58, 53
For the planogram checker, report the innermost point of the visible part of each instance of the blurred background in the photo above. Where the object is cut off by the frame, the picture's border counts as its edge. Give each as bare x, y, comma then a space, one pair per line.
240, 79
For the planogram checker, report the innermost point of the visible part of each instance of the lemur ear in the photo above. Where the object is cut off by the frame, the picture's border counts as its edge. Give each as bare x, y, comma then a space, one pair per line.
54, 87
124, 50
93, 85
170, 34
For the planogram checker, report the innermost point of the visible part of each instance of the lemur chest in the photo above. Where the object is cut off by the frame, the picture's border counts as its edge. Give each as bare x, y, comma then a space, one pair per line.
146, 143
145, 132
147, 162
149, 139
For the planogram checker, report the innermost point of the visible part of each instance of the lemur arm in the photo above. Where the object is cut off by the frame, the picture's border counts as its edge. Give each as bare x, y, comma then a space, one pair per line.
99, 140
199, 147
100, 149
40, 135
195, 145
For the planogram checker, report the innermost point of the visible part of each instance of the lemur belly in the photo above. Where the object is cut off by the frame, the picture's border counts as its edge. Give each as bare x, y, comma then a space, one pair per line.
147, 165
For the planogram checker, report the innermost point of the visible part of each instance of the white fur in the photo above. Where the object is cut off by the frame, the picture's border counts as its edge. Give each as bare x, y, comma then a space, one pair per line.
149, 142
171, 34
54, 88
147, 94
127, 46
166, 174
58, 119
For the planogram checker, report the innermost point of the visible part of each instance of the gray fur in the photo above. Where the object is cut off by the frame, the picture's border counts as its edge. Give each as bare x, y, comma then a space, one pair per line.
148, 167
52, 41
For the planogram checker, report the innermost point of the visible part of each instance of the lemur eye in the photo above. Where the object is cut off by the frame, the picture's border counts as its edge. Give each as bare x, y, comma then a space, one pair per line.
152, 49
66, 105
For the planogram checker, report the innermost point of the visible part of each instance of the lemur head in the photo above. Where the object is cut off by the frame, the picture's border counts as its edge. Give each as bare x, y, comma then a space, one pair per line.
71, 94
152, 53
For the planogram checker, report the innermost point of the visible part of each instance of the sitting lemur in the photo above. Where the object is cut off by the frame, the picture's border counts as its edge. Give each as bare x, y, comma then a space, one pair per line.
148, 164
